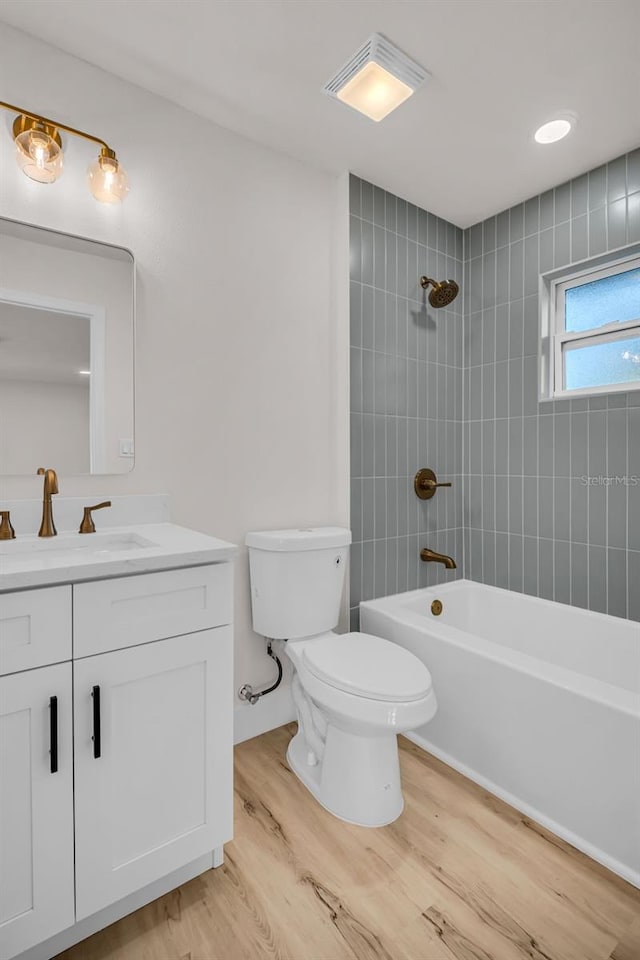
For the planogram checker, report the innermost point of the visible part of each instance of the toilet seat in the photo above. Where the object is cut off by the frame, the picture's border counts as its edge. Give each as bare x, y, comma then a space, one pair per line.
367, 666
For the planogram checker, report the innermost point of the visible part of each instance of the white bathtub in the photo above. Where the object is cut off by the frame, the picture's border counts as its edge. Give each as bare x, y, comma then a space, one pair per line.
537, 701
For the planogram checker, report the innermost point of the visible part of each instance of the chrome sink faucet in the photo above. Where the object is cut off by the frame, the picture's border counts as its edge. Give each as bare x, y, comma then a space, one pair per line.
48, 527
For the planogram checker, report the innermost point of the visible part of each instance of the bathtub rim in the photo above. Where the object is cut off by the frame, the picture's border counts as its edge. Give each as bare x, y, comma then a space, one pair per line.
607, 694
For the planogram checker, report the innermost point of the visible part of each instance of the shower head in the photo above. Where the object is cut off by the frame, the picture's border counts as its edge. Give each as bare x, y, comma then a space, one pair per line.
443, 291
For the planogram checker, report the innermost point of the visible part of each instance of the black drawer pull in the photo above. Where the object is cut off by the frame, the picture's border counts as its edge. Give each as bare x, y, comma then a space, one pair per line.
53, 733
95, 693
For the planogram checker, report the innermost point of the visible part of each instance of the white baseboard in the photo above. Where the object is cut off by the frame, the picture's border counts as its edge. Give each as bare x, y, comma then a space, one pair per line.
621, 869
268, 713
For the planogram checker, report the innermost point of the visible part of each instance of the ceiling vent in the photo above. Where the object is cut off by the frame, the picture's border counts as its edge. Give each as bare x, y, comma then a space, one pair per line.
377, 79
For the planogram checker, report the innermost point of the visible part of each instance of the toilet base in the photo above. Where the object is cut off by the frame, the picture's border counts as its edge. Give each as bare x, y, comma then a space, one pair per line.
357, 779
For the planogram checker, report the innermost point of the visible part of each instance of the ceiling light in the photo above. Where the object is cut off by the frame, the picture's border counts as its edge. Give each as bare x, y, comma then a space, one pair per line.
374, 91
39, 155
84, 373
553, 130
377, 79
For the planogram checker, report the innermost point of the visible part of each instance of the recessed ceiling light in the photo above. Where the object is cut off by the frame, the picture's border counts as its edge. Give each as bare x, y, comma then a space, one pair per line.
84, 373
554, 130
377, 79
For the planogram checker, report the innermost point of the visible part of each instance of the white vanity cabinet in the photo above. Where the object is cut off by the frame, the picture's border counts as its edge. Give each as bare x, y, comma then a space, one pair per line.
130, 763
36, 767
36, 807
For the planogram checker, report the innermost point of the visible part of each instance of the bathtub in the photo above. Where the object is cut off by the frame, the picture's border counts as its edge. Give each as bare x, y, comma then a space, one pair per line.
538, 702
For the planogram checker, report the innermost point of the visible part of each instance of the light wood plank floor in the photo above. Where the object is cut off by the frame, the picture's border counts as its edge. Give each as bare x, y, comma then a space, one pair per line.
460, 876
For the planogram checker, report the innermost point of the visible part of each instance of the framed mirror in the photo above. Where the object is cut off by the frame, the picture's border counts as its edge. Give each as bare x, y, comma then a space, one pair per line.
66, 353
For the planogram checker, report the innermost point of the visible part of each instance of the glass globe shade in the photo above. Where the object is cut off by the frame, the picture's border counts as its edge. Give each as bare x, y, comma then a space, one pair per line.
107, 180
38, 156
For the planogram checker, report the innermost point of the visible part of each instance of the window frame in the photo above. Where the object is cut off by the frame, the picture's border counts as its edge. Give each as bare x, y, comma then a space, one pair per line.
555, 340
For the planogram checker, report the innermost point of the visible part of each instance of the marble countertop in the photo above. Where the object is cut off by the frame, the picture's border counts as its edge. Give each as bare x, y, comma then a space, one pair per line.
30, 561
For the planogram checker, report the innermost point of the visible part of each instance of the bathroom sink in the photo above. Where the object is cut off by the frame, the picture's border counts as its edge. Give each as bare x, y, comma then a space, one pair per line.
70, 551
69, 543
70, 557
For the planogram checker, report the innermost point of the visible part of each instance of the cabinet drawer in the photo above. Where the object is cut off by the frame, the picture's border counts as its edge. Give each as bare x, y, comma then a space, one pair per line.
35, 628
127, 611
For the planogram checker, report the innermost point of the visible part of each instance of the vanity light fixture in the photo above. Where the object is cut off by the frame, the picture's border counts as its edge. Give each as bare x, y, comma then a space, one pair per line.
39, 155
376, 79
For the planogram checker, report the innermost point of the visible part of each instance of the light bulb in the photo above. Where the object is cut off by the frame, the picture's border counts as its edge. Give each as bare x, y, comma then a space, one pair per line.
39, 156
107, 180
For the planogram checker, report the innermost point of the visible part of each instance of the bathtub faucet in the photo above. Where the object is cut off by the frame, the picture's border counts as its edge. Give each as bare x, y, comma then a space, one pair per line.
427, 555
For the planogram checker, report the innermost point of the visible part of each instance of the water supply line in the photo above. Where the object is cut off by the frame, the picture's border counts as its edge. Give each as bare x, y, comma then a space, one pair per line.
246, 692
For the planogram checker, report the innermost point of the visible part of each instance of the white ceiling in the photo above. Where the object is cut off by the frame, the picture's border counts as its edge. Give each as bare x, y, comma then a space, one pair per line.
461, 147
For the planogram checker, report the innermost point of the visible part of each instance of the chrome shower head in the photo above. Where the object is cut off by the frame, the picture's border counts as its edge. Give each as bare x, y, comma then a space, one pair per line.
443, 292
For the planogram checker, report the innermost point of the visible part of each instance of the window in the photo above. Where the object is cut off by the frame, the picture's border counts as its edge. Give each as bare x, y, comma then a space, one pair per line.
590, 325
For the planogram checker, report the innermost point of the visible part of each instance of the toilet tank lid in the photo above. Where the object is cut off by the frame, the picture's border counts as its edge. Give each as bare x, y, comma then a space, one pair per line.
310, 538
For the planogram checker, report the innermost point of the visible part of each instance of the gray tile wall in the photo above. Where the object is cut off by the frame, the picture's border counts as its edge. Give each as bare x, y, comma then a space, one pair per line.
531, 522
406, 394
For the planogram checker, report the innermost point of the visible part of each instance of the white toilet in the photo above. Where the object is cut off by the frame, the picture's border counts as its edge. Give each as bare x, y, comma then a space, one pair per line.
353, 692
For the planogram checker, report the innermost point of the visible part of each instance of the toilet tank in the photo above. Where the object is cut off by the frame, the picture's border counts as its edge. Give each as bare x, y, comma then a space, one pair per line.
296, 580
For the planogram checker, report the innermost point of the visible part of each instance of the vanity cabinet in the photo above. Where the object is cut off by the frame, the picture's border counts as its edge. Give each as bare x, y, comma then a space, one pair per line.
130, 763
36, 807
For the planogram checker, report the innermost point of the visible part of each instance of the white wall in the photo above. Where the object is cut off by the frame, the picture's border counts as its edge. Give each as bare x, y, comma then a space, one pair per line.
242, 339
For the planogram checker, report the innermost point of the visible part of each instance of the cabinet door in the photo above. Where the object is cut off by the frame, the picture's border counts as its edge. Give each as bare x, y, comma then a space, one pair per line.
36, 807
153, 752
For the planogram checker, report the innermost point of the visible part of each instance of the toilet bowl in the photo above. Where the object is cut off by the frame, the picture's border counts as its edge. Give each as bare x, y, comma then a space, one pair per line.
350, 761
353, 693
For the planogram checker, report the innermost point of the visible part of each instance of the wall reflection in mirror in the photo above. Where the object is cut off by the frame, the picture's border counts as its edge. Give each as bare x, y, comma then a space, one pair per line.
66, 353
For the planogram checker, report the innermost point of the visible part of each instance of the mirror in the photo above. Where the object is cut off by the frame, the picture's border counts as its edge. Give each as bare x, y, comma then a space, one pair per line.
66, 353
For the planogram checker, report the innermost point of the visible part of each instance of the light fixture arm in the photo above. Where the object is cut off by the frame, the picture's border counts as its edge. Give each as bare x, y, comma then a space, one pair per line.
105, 151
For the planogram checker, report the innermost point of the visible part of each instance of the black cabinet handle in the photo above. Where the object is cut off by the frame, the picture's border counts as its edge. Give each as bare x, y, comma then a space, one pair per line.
53, 733
95, 693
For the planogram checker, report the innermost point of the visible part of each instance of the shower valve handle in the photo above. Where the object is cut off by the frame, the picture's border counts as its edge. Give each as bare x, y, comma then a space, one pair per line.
426, 483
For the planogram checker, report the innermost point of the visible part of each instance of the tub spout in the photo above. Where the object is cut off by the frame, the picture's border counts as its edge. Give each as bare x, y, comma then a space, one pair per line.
431, 555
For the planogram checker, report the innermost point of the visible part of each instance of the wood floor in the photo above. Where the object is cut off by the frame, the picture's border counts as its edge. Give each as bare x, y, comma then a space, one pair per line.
460, 876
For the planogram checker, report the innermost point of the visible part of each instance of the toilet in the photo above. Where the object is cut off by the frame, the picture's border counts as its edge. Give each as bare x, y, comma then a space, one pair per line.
353, 692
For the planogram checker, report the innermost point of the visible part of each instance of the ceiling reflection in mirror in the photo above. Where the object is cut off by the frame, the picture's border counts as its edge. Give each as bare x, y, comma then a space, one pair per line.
66, 353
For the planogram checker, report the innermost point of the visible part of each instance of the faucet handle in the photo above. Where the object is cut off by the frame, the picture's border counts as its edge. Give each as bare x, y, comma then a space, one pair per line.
426, 483
6, 530
87, 525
